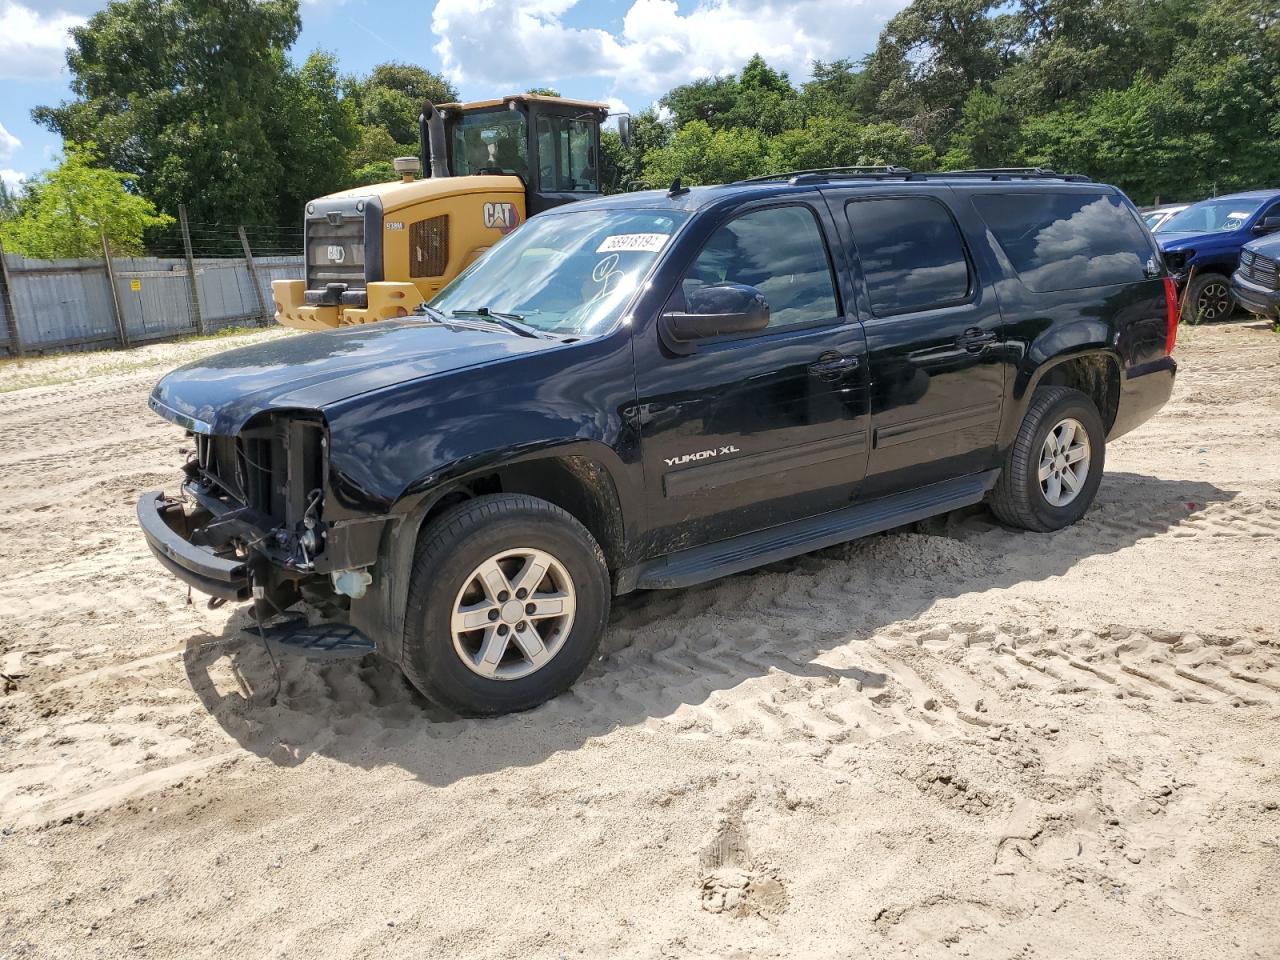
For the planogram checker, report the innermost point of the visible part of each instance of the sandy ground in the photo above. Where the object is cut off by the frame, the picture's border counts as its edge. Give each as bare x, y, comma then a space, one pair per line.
956, 740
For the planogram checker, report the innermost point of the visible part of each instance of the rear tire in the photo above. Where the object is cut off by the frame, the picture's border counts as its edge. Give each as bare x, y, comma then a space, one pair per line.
1054, 467
508, 600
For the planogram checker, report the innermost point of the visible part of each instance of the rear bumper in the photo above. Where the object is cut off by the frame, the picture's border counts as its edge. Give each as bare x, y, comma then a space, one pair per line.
1254, 297
161, 521
1144, 390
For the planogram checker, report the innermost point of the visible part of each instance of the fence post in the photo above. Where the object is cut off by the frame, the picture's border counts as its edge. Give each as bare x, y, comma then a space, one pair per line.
253, 278
191, 269
11, 318
121, 331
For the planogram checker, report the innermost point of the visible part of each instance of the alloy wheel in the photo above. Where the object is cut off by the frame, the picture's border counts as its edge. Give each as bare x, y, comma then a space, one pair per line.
1214, 302
1064, 462
513, 613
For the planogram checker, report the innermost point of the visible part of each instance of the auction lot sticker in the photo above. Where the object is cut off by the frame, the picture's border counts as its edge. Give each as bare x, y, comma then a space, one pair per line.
627, 242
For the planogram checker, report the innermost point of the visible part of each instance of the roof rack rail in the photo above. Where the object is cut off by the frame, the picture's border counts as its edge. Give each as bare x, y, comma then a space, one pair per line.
1014, 173
892, 172
876, 170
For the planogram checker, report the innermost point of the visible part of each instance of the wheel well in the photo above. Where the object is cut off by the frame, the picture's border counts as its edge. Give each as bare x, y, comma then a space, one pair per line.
1096, 376
578, 485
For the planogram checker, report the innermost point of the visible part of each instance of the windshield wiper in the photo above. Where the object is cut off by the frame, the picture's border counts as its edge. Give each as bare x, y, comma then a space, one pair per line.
510, 321
431, 313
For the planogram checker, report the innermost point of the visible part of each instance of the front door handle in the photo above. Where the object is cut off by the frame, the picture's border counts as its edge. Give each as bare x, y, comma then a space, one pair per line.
976, 339
831, 366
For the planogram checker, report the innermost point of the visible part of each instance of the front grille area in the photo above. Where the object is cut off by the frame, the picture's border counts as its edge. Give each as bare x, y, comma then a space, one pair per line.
336, 252
241, 470
1259, 269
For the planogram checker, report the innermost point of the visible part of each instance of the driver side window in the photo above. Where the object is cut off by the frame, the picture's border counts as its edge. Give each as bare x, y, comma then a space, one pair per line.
780, 252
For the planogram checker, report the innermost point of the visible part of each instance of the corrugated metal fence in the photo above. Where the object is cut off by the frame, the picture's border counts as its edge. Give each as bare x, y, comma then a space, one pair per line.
68, 304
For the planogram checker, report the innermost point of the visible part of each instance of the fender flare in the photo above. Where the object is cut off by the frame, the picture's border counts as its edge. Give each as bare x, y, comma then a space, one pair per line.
381, 612
1032, 371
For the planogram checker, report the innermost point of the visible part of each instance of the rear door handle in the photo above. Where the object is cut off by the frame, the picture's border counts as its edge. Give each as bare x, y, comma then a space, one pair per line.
832, 366
975, 339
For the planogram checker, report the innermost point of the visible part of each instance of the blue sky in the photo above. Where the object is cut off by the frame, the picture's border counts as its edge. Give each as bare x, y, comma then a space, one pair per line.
625, 51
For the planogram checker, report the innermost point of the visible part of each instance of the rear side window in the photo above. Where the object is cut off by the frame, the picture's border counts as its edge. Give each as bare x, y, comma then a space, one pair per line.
912, 255
1066, 241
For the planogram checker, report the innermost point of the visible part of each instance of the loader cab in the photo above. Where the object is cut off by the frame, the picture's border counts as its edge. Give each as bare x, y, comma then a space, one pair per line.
551, 144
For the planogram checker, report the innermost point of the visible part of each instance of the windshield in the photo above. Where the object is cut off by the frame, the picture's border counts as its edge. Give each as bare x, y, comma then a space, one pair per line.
491, 140
1212, 216
1151, 219
569, 273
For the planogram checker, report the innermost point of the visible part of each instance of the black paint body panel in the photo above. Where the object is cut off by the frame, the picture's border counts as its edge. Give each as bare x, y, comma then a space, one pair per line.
757, 436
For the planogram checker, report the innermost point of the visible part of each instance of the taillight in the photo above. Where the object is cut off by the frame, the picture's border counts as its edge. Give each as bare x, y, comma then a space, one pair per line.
1171, 314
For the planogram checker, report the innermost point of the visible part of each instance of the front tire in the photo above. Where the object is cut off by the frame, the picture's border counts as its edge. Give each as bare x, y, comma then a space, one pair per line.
1207, 299
508, 601
1054, 467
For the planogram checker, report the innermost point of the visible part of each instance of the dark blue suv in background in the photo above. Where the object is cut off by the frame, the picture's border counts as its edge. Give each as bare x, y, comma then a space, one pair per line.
1256, 284
654, 389
1202, 247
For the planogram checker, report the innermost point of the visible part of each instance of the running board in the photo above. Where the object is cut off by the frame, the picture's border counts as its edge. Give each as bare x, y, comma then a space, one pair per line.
320, 641
755, 549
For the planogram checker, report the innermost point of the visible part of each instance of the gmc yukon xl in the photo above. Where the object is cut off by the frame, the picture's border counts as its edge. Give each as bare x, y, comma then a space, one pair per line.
655, 389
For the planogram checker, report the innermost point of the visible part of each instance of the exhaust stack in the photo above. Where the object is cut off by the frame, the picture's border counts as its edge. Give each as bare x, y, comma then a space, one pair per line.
431, 145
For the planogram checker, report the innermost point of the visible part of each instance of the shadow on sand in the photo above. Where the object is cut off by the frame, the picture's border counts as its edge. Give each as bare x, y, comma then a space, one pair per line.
668, 648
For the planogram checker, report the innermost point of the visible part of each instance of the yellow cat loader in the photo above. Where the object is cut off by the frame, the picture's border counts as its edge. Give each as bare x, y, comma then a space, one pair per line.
377, 252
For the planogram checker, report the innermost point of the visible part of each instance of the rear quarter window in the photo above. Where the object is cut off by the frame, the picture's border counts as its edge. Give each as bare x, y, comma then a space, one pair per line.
1067, 241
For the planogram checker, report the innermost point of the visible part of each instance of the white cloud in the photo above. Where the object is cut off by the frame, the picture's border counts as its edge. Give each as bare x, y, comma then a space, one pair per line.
12, 179
512, 42
33, 43
9, 144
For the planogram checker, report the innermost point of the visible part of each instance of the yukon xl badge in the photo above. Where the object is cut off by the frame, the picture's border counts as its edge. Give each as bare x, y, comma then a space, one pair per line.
336, 253
701, 455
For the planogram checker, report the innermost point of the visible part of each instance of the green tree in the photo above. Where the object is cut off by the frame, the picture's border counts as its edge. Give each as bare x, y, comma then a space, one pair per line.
623, 170
928, 59
187, 97
709, 100
835, 90
414, 82
66, 210
760, 98
544, 91
987, 134
317, 131
376, 146
8, 202
697, 154
392, 110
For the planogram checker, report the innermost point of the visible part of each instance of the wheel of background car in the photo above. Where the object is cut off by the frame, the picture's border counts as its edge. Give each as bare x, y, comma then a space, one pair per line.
508, 600
1054, 467
1208, 297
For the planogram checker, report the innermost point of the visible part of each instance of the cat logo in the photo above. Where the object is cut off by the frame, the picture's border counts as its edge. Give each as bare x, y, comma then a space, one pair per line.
502, 217
336, 253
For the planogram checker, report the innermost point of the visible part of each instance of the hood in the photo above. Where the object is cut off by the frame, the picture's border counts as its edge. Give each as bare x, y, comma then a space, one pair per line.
1176, 240
219, 394
1268, 246
1180, 239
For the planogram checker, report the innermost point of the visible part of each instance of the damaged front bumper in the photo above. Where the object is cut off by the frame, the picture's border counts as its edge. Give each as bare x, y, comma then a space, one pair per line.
166, 524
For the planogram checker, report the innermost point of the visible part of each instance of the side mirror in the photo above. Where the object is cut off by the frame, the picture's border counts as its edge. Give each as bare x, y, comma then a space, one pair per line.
1267, 225
720, 310
624, 130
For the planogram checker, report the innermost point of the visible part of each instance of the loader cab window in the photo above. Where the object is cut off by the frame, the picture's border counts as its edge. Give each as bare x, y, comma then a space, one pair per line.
567, 156
491, 141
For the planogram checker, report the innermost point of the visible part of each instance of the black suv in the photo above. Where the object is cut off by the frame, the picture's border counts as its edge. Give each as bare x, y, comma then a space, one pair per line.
655, 389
